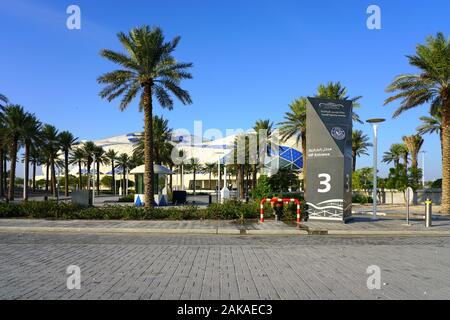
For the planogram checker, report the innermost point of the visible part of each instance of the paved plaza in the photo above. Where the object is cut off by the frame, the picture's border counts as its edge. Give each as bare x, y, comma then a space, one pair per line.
137, 266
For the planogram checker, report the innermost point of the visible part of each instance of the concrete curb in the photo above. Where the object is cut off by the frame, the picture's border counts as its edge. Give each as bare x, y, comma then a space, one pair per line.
389, 233
210, 231
223, 231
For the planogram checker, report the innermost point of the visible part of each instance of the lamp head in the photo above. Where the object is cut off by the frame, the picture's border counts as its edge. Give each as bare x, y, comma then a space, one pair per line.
375, 120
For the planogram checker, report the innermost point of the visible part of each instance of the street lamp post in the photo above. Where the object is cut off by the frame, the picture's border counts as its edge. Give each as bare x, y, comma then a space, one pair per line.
423, 168
93, 181
374, 122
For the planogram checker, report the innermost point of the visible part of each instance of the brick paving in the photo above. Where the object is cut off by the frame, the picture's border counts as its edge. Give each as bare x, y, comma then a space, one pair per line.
123, 266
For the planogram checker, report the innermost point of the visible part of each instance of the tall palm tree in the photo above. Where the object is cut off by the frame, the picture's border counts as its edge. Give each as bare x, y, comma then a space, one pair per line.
150, 70
78, 157
360, 143
267, 126
89, 149
404, 153
50, 151
31, 135
430, 85
336, 91
111, 157
210, 168
193, 165
123, 161
13, 117
2, 154
294, 125
414, 144
100, 158
430, 125
162, 148
66, 141
36, 159
3, 99
394, 154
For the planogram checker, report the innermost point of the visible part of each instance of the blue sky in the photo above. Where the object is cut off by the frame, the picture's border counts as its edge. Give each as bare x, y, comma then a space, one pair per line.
251, 59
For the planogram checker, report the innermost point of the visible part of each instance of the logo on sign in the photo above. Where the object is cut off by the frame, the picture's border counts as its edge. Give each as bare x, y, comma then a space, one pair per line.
338, 133
331, 106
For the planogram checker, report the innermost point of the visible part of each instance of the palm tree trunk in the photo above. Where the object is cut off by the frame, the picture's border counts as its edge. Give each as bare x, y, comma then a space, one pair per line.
195, 184
113, 186
148, 146
66, 178
210, 180
124, 186
354, 162
27, 171
445, 208
171, 179
2, 187
241, 181
34, 176
254, 176
98, 178
12, 170
414, 162
80, 177
47, 170
5, 170
53, 178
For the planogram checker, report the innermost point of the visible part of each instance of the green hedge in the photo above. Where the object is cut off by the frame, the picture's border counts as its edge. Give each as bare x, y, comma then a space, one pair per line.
231, 210
361, 199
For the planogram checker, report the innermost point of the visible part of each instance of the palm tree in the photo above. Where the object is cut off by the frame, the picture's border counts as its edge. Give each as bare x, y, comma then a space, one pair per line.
210, 168
150, 70
111, 157
13, 117
162, 148
31, 133
99, 155
66, 140
413, 143
78, 157
4, 99
267, 126
36, 160
430, 125
89, 149
430, 85
294, 124
336, 91
193, 165
360, 143
50, 151
2, 154
123, 161
404, 153
394, 154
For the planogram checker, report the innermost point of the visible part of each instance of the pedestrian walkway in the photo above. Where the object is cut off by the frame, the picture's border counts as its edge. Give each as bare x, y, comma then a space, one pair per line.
359, 225
119, 226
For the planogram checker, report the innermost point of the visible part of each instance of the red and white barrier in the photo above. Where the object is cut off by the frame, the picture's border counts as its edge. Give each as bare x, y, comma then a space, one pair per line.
278, 200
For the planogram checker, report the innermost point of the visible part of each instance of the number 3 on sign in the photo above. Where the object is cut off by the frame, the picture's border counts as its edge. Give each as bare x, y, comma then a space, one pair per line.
325, 183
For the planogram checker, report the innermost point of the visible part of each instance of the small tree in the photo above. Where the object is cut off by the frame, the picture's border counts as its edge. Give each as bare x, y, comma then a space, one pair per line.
262, 189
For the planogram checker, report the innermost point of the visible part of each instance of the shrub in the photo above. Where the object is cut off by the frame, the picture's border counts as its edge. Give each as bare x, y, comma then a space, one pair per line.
128, 198
361, 199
